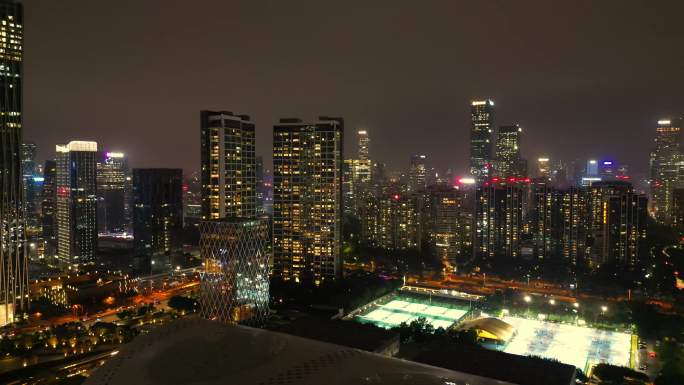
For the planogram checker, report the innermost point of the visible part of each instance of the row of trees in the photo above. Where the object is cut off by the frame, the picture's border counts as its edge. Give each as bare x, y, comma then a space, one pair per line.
420, 331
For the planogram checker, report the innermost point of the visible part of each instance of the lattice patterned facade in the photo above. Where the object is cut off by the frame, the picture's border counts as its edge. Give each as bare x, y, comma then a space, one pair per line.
234, 285
13, 257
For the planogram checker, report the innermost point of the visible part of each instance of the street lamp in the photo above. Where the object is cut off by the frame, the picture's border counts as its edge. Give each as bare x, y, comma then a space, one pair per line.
576, 304
604, 309
552, 301
528, 299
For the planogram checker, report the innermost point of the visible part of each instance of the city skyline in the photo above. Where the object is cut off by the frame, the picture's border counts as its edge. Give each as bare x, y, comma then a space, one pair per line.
572, 96
493, 190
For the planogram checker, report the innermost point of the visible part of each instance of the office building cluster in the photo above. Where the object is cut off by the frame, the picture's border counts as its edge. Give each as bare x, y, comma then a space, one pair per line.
417, 211
585, 225
87, 195
586, 213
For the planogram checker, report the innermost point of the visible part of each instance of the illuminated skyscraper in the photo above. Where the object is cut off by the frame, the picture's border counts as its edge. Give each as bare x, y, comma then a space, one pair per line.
307, 198
192, 199
482, 118
573, 226
14, 269
499, 221
357, 178
234, 285
447, 225
592, 168
348, 193
508, 160
417, 173
665, 168
616, 223
48, 208
363, 165
113, 193
260, 188
544, 168
228, 165
624, 228
608, 170
364, 145
157, 210
76, 212
28, 158
543, 218
32, 183
398, 222
361, 174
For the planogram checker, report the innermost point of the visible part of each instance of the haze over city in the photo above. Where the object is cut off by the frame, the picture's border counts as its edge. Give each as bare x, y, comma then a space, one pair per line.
567, 72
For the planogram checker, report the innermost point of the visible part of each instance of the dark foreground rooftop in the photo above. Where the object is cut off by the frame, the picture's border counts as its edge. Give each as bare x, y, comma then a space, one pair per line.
346, 333
196, 351
502, 366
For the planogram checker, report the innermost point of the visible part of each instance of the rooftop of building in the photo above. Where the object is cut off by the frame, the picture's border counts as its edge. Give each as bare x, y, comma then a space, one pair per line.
197, 351
346, 333
498, 365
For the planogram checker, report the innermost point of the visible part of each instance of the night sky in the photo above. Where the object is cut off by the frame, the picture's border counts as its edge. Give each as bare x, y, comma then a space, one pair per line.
583, 78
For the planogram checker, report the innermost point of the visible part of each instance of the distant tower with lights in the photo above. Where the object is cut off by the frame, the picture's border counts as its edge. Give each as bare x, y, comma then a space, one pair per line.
113, 193
544, 168
157, 210
665, 168
76, 212
417, 173
482, 129
508, 160
48, 207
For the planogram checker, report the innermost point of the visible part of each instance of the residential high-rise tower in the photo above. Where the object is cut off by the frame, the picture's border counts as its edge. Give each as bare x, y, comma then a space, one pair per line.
228, 165
307, 198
